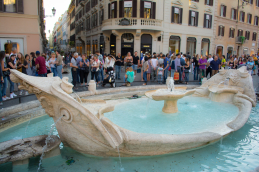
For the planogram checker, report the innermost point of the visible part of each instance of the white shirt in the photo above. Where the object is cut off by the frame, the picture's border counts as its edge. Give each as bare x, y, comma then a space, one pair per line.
109, 63
154, 62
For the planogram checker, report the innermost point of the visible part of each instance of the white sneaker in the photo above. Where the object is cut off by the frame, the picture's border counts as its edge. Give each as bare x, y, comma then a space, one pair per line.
14, 95
11, 96
5, 98
20, 93
26, 93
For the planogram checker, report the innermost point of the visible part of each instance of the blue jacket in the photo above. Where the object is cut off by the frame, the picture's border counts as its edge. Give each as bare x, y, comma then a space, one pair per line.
173, 65
182, 61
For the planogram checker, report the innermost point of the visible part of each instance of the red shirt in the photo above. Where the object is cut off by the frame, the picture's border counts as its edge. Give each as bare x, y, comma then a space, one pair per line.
42, 65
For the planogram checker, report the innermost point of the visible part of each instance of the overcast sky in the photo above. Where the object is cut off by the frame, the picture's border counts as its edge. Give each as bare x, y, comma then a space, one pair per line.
60, 5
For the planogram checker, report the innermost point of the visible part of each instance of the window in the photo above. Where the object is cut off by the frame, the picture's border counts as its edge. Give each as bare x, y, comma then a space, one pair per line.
101, 16
249, 18
221, 30
242, 16
240, 32
256, 20
87, 7
177, 14
223, 10
193, 18
254, 36
209, 2
114, 10
257, 3
147, 9
251, 1
247, 35
207, 21
11, 6
128, 9
195, 0
231, 32
233, 14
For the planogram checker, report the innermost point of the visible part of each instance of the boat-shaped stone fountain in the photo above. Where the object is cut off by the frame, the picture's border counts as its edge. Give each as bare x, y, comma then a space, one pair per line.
85, 127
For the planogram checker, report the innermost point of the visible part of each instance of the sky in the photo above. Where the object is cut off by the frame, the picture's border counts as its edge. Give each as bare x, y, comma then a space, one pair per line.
61, 6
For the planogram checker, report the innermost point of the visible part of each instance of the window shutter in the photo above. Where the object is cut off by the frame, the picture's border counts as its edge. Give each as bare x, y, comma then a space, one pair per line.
241, 33
235, 14
141, 9
109, 11
19, 6
250, 19
1, 5
102, 14
252, 1
243, 17
230, 35
190, 17
154, 10
248, 35
172, 16
181, 16
211, 2
204, 21
233, 33
223, 30
76, 3
134, 3
121, 10
197, 18
219, 31
224, 11
205, 2
210, 23
115, 9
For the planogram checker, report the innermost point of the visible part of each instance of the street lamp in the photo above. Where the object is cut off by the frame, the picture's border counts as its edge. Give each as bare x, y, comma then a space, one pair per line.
53, 12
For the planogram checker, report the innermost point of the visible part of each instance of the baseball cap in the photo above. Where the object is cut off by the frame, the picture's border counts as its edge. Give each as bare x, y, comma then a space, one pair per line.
37, 53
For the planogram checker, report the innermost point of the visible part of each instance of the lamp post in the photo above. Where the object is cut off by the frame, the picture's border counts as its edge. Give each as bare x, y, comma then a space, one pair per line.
53, 13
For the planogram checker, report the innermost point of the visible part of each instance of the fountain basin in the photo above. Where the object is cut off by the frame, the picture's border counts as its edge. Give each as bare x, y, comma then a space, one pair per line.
87, 130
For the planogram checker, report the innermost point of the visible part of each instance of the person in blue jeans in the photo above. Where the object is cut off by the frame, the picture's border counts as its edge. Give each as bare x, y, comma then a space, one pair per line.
145, 70
166, 67
195, 62
118, 63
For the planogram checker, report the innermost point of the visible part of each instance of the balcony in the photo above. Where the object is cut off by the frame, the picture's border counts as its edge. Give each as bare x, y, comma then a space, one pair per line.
239, 40
132, 23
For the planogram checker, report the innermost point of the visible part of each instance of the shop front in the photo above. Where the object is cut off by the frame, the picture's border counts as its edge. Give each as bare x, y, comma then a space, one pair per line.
191, 46
113, 45
102, 44
146, 43
127, 44
94, 46
6, 44
88, 48
174, 44
205, 47
230, 52
219, 51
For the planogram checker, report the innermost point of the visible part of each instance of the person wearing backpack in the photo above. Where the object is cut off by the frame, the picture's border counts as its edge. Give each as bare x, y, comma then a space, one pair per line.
84, 70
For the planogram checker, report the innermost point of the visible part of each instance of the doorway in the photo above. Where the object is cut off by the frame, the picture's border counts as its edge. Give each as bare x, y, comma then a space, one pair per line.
146, 43
219, 50
230, 52
191, 46
113, 45
127, 44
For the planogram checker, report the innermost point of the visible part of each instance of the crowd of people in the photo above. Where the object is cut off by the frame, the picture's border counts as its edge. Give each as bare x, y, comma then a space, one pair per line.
106, 69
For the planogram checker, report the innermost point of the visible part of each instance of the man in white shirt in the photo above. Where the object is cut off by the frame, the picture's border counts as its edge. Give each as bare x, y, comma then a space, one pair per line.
154, 63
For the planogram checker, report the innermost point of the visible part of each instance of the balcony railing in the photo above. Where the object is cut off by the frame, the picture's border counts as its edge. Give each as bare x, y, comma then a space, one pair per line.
138, 23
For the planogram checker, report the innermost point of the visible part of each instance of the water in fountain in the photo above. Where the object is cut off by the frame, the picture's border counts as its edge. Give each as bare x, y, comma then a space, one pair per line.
170, 84
26, 128
47, 141
121, 168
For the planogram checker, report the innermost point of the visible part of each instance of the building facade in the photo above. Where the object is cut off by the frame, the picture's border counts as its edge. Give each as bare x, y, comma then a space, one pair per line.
120, 26
22, 26
72, 36
236, 27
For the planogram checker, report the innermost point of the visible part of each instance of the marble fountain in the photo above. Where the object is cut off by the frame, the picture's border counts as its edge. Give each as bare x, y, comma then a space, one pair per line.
85, 127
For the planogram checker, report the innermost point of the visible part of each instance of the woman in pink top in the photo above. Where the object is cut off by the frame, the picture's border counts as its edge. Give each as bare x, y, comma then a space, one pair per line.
202, 65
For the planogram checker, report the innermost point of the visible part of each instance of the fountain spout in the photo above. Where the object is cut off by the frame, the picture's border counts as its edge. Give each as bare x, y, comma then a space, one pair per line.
170, 84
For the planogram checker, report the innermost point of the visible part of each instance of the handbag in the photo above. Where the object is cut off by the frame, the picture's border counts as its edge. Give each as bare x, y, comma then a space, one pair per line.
176, 76
170, 68
138, 70
6, 73
139, 65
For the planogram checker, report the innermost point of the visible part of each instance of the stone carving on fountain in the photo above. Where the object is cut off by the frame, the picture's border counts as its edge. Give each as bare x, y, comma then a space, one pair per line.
239, 82
95, 134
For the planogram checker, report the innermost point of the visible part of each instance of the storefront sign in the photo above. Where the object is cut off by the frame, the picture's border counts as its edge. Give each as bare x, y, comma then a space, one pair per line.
146, 46
193, 13
112, 45
147, 4
112, 6
176, 10
127, 46
127, 4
